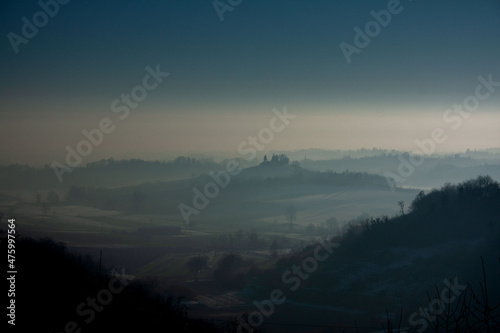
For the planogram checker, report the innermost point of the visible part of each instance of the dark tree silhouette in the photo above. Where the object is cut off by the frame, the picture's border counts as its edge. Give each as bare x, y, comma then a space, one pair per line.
138, 198
197, 264
76, 194
227, 267
53, 197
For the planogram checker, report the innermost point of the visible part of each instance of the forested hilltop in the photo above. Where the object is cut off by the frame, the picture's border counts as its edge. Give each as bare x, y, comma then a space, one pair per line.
105, 173
386, 268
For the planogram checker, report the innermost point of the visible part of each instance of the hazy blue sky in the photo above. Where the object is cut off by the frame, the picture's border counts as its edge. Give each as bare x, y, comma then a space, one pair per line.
227, 76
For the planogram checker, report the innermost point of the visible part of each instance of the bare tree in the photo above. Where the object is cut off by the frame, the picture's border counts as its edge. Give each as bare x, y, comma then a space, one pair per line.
273, 249
291, 215
333, 224
239, 237
401, 205
45, 209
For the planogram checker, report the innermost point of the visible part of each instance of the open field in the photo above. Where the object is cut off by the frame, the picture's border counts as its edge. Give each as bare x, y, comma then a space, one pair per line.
90, 230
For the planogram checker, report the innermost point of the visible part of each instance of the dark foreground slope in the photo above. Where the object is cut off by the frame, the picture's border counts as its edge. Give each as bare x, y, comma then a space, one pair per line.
56, 291
395, 268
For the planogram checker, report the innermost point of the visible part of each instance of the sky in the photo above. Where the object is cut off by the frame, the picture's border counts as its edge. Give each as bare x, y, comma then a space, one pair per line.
229, 66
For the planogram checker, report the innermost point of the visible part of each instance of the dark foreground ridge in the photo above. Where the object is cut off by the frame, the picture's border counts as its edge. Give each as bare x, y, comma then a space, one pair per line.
57, 291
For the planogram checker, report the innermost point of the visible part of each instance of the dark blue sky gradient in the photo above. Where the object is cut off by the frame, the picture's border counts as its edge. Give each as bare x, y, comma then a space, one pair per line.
264, 54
